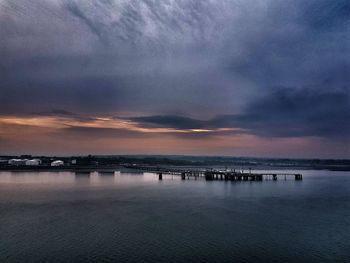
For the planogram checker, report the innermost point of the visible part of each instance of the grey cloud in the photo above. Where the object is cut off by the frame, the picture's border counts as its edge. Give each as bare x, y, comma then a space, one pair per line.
76, 11
284, 112
98, 133
177, 122
87, 96
151, 22
290, 112
181, 58
62, 113
55, 112
298, 44
322, 14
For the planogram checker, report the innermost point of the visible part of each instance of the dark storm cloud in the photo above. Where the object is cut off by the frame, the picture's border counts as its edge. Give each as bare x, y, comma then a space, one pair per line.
177, 122
83, 96
308, 46
290, 112
167, 59
323, 14
284, 112
60, 113
298, 44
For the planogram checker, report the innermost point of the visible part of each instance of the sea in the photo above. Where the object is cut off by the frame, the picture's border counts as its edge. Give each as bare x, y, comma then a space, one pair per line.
134, 217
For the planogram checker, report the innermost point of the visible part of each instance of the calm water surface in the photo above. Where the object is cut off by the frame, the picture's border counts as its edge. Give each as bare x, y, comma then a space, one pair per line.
63, 217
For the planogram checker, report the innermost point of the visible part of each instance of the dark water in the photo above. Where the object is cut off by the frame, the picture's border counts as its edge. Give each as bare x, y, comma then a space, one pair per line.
60, 217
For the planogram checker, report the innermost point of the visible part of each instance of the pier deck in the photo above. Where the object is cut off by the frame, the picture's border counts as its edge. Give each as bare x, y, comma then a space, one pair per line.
211, 174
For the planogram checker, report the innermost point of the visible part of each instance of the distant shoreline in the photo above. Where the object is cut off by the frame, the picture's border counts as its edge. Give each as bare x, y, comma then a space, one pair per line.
110, 168
128, 163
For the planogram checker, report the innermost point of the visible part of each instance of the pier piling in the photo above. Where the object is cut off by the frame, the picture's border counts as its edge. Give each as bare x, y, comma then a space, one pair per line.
211, 174
298, 177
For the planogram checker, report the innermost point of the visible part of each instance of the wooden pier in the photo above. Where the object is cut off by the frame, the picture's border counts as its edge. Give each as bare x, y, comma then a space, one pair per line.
241, 176
211, 174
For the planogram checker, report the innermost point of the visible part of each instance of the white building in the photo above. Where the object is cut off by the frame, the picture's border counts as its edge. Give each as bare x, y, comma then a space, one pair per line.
57, 163
17, 162
33, 162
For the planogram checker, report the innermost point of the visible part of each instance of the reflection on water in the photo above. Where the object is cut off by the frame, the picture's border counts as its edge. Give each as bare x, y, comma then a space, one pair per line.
68, 217
73, 178
36, 178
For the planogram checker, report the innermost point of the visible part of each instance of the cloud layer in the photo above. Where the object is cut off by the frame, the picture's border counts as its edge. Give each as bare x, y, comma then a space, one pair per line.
268, 69
285, 112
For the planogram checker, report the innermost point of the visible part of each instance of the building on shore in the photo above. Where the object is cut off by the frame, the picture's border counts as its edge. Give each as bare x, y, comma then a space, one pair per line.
57, 163
33, 162
17, 162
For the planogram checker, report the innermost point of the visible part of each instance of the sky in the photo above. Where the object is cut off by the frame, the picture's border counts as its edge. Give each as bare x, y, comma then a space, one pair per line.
212, 77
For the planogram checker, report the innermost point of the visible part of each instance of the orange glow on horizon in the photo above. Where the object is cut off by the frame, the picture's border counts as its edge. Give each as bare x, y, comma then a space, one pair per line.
98, 122
52, 135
